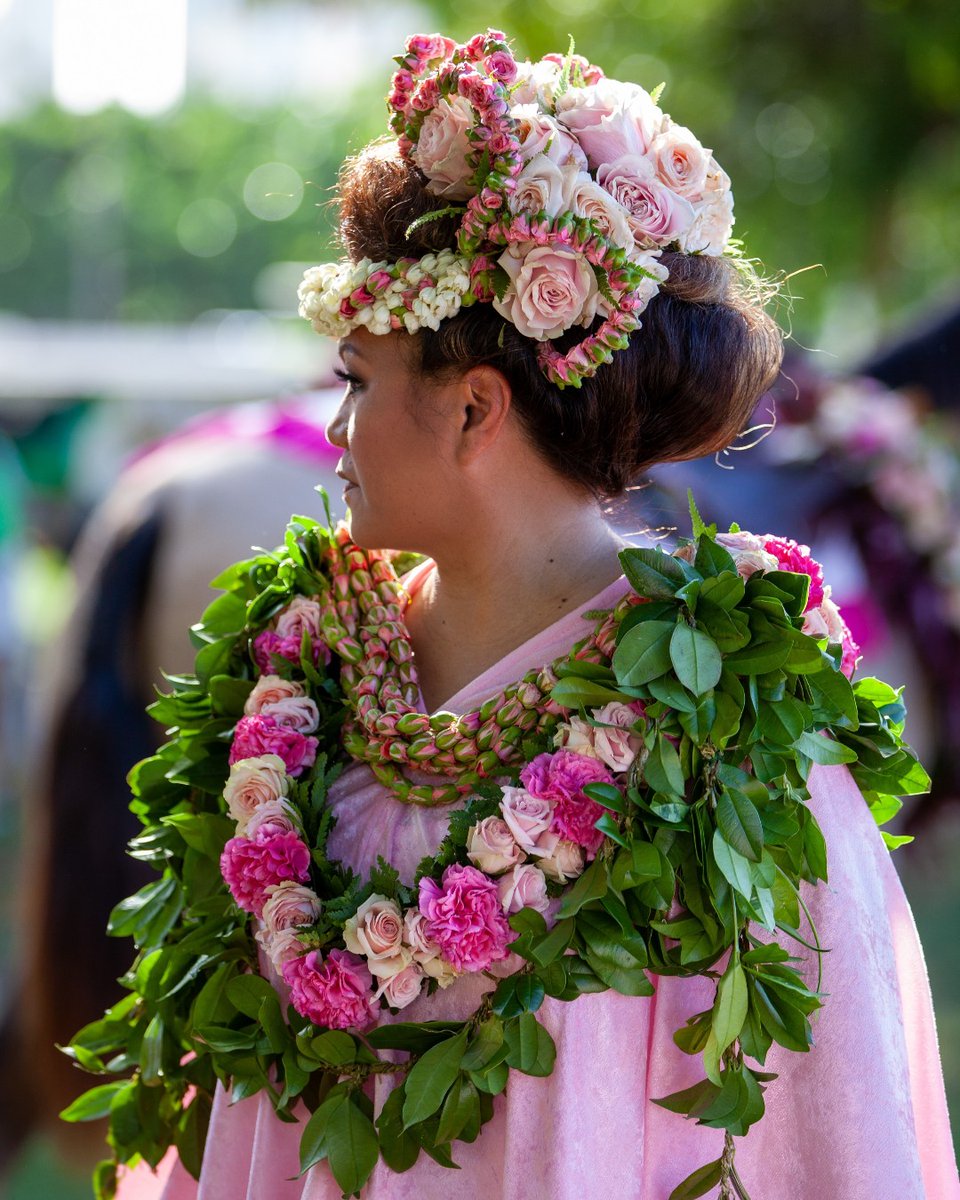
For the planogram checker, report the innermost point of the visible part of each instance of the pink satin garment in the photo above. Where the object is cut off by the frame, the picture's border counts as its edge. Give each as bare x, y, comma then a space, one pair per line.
861, 1117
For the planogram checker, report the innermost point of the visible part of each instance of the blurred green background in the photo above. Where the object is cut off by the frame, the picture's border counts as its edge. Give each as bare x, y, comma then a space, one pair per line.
838, 121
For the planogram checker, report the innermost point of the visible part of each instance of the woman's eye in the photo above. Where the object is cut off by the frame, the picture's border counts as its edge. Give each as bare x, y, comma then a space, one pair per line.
353, 384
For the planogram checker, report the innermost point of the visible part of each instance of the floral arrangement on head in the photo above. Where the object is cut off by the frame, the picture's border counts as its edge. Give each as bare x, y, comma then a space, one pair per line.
569, 186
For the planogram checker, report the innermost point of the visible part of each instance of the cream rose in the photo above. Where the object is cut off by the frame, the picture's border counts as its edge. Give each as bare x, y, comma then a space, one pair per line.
576, 735
526, 816
610, 119
252, 782
539, 189
271, 689
586, 198
491, 846
551, 289
614, 741
680, 160
536, 83
376, 932
403, 988
443, 146
523, 887
711, 227
564, 862
541, 134
289, 906
656, 215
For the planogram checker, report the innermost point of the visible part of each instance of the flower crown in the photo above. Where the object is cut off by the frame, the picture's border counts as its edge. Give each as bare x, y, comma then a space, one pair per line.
569, 186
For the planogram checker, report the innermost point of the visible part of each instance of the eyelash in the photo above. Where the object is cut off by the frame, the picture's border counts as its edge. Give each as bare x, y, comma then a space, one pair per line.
353, 383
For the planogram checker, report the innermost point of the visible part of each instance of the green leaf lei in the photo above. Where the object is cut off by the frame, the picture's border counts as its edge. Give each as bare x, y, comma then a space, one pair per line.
706, 839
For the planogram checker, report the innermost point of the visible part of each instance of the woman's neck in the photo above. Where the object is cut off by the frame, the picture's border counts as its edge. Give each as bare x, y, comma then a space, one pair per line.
502, 583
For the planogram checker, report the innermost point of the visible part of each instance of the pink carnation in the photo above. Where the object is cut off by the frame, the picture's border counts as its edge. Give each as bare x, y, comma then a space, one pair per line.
561, 777
250, 866
261, 734
465, 918
335, 993
793, 557
268, 643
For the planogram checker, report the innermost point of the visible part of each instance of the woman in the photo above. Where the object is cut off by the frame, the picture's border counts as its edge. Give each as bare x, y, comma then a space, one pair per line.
462, 438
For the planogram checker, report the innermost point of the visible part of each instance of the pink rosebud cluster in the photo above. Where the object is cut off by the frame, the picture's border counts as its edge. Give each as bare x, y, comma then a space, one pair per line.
334, 992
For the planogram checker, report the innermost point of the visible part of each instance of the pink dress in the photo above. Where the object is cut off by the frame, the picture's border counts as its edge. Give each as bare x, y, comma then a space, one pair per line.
861, 1117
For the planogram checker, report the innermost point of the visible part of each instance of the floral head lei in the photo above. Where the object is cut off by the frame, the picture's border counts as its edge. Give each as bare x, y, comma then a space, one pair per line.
569, 186
636, 808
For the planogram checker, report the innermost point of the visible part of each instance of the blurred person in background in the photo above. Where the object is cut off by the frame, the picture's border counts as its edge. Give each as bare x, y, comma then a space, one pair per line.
183, 509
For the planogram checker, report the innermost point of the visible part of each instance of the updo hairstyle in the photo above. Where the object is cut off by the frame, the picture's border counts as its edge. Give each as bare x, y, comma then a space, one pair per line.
685, 387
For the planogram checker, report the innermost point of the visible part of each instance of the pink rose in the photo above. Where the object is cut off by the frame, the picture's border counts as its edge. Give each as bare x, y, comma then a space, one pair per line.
272, 817
293, 712
302, 615
426, 952
536, 83
250, 866
656, 215
334, 993
540, 134
565, 860
443, 147
270, 689
610, 119
403, 988
252, 782
501, 65
747, 552
614, 741
552, 288
288, 907
680, 161
465, 918
491, 846
791, 556
826, 622
376, 931
259, 735
526, 816
523, 887
561, 778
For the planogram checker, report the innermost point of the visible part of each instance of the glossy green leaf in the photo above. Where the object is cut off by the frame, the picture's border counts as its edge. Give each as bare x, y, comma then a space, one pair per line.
730, 1006
739, 822
733, 866
695, 658
530, 1048
431, 1078
699, 1182
644, 653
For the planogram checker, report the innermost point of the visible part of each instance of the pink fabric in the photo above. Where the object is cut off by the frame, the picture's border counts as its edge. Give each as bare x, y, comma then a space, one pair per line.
861, 1117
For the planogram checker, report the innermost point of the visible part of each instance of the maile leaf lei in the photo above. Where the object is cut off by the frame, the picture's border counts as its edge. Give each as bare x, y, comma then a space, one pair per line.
692, 864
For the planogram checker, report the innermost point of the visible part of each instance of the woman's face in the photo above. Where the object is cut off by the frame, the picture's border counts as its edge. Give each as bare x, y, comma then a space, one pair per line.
394, 428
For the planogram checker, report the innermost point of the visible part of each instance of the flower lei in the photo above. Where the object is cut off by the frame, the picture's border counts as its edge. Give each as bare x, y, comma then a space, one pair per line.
649, 818
568, 185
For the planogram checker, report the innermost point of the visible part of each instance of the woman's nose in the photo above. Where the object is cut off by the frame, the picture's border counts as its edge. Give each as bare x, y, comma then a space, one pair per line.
336, 431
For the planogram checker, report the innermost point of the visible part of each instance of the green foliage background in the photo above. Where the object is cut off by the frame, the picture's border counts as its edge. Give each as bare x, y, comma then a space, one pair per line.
837, 120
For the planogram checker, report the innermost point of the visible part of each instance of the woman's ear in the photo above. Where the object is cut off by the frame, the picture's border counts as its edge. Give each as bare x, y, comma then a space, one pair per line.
485, 401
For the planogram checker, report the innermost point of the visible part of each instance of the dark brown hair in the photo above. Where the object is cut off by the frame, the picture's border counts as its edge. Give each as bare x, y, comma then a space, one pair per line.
686, 386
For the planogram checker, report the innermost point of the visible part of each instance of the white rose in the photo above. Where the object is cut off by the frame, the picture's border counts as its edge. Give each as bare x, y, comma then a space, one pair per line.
376, 932
747, 552
565, 861
536, 83
576, 735
539, 189
614, 741
541, 134
270, 689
